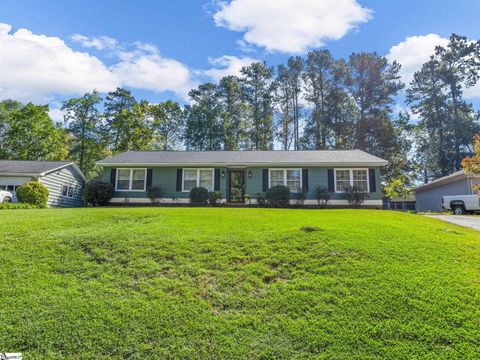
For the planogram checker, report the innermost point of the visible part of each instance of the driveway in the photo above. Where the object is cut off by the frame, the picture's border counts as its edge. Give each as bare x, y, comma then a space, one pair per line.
472, 222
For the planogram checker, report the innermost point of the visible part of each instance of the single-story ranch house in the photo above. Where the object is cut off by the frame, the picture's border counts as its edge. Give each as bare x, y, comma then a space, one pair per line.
237, 173
63, 179
429, 195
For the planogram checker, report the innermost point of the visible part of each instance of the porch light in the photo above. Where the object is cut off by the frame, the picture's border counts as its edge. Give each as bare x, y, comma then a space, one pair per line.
223, 173
249, 174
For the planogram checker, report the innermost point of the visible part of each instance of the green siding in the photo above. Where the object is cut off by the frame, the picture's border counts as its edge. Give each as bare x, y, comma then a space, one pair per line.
166, 178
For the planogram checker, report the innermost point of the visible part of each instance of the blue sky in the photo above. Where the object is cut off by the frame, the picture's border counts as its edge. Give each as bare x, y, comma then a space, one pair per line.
160, 48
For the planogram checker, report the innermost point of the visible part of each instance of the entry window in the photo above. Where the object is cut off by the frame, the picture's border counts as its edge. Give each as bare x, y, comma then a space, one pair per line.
291, 178
131, 179
345, 178
197, 178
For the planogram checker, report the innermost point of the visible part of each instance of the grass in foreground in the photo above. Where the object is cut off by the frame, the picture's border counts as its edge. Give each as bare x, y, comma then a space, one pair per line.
237, 283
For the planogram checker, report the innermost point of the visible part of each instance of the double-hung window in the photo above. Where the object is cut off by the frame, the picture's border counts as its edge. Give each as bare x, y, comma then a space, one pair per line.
291, 178
197, 178
67, 191
345, 178
131, 179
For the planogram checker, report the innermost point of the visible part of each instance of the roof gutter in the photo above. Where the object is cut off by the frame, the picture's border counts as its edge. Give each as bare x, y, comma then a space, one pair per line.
260, 164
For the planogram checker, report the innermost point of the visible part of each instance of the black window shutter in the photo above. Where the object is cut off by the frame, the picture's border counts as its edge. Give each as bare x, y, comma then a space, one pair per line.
179, 179
305, 180
331, 181
149, 178
265, 180
371, 180
113, 177
216, 180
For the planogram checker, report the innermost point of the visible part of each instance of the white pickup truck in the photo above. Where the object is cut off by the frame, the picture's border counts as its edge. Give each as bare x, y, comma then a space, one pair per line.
461, 204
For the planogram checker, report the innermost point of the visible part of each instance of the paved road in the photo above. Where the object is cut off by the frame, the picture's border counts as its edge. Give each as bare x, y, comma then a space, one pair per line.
472, 222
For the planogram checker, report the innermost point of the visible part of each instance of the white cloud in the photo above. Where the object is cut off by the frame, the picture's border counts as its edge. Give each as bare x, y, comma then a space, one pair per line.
291, 26
37, 67
56, 114
226, 65
414, 51
34, 67
145, 68
99, 43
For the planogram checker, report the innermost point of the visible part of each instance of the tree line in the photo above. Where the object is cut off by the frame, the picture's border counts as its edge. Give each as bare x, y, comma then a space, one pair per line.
316, 102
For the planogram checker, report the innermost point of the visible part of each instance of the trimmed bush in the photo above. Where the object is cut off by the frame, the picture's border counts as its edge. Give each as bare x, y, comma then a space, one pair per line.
322, 195
98, 193
355, 196
278, 196
214, 198
154, 193
199, 196
33, 192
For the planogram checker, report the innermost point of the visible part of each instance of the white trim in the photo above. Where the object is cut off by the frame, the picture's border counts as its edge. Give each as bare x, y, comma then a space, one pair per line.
64, 166
198, 177
144, 200
130, 180
331, 202
285, 176
351, 178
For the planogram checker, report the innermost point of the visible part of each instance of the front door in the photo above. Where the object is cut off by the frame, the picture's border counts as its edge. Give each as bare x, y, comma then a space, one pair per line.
237, 186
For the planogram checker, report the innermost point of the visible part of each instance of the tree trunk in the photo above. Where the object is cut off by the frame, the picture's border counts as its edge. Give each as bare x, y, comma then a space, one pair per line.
455, 127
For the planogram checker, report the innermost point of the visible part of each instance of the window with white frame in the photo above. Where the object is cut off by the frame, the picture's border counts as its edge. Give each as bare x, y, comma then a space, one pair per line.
291, 178
360, 180
131, 179
345, 178
198, 178
67, 191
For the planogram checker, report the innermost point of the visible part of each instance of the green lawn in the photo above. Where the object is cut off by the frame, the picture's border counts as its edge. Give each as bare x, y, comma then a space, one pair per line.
237, 283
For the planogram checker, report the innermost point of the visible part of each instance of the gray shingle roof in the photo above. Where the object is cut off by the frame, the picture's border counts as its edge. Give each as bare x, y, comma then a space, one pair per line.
316, 157
459, 175
29, 167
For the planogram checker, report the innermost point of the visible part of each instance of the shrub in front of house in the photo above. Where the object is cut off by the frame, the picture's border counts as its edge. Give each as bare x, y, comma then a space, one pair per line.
214, 198
17, 206
278, 196
355, 196
98, 193
154, 193
33, 192
260, 197
199, 196
322, 195
300, 197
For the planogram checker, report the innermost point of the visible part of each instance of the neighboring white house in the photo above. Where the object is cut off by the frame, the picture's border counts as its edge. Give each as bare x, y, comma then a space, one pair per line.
63, 179
429, 196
